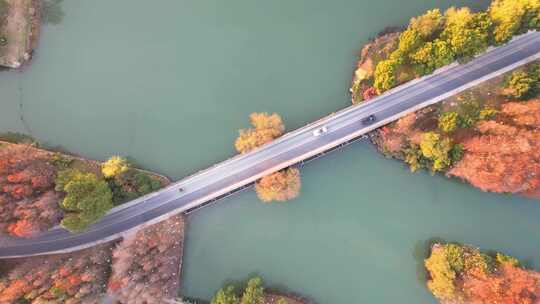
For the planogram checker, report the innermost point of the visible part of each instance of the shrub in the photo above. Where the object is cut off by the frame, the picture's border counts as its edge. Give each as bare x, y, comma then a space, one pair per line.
87, 198
114, 166
521, 85
487, 114
448, 121
456, 153
60, 162
466, 121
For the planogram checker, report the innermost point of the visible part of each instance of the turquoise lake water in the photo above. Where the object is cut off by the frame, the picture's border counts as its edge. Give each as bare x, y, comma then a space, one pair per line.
169, 82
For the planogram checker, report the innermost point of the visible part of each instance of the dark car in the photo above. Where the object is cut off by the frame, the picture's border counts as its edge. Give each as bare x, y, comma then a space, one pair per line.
368, 120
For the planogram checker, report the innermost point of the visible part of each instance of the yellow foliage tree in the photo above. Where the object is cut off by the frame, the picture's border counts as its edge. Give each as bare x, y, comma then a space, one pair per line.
266, 127
513, 16
114, 166
428, 24
441, 282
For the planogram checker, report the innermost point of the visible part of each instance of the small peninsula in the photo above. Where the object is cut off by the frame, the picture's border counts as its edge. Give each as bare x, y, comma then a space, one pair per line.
464, 274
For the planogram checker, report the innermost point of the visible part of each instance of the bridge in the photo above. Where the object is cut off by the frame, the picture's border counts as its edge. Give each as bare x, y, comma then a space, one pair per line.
294, 147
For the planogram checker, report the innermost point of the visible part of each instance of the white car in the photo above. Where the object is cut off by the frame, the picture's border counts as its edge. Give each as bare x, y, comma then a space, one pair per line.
320, 131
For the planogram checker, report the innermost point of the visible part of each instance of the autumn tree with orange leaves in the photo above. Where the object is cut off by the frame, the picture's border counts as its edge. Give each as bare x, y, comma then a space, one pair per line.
146, 264
280, 186
75, 278
28, 202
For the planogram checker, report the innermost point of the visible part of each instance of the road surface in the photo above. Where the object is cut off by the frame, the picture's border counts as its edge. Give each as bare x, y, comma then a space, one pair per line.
288, 150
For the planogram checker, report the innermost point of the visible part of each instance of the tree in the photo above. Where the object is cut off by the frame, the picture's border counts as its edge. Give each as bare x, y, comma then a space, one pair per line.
436, 149
28, 202
369, 93
442, 276
76, 278
448, 121
521, 85
265, 129
432, 56
428, 24
511, 17
132, 184
226, 295
385, 75
114, 166
409, 41
280, 186
254, 292
145, 264
87, 198
466, 33
415, 159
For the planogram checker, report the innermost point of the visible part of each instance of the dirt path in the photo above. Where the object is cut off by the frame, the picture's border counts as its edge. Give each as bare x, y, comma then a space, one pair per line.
21, 31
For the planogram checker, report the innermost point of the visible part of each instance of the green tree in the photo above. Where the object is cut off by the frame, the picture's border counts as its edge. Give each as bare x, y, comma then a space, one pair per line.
428, 24
456, 153
132, 184
226, 295
432, 56
448, 121
87, 198
254, 293
385, 75
281, 301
